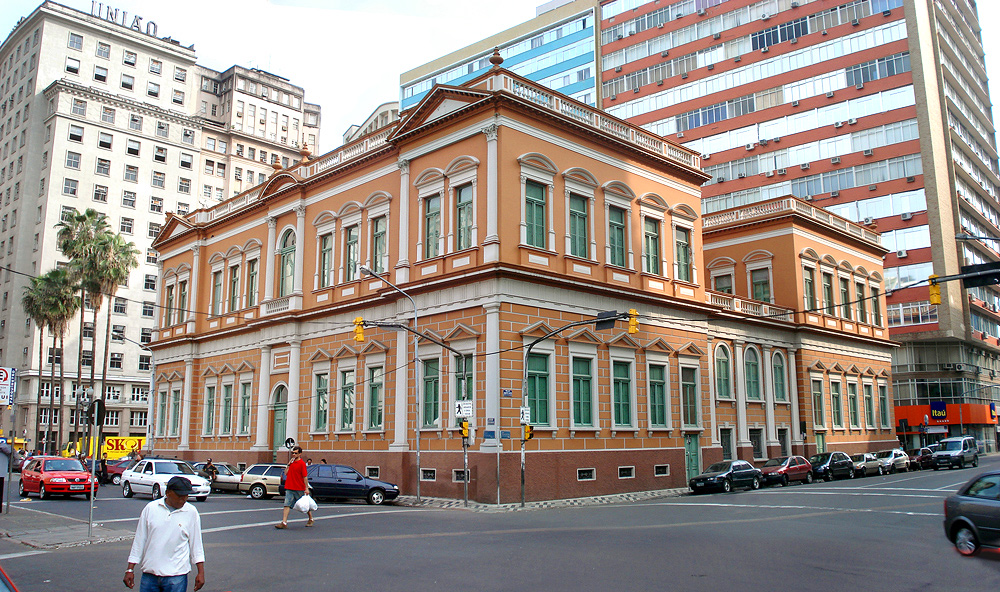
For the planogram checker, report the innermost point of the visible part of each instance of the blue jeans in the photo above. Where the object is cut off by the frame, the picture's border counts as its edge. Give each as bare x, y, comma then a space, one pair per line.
151, 583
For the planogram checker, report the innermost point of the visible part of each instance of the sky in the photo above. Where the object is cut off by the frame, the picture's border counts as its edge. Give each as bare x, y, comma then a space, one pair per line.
348, 54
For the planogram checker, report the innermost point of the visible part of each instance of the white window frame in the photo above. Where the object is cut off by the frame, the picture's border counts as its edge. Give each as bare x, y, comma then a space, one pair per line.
456, 181
588, 191
660, 359
425, 190
627, 355
578, 349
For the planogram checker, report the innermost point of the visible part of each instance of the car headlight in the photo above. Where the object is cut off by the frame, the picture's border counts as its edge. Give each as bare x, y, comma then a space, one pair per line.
57, 480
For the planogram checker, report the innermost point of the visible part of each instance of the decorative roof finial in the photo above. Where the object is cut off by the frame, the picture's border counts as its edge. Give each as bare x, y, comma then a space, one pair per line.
496, 59
305, 152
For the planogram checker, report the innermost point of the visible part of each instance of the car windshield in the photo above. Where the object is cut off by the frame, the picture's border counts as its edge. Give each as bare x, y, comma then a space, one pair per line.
953, 445
63, 464
819, 458
776, 462
858, 457
719, 467
174, 468
884, 454
913, 452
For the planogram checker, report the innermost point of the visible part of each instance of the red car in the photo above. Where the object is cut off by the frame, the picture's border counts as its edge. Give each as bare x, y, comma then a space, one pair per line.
47, 475
786, 469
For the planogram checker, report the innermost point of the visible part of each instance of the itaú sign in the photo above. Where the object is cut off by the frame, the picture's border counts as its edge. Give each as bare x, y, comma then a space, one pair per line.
120, 17
939, 411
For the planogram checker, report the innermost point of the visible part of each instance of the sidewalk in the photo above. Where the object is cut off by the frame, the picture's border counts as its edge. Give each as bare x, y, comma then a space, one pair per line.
621, 498
44, 530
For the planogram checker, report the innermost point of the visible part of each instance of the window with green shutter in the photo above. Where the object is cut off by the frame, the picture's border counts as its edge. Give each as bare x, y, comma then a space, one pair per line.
534, 214
347, 400
837, 404
582, 412
682, 248
651, 246
432, 392
432, 227
287, 268
375, 398
779, 376
658, 395
210, 409
817, 400
760, 282
616, 236
809, 287
538, 388
723, 374
578, 239
463, 215
463, 380
689, 396
852, 390
751, 364
622, 385
325, 260
321, 402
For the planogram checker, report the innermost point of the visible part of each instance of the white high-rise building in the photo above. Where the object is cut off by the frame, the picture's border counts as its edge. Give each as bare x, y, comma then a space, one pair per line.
100, 112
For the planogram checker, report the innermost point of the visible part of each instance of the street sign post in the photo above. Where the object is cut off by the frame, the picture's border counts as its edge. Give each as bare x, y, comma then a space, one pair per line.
525, 415
463, 409
8, 384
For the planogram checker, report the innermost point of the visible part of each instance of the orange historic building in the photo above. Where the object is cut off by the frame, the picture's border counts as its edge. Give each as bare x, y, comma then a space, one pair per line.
497, 213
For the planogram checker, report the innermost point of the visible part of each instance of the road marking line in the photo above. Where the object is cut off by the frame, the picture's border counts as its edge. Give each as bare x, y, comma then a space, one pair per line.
21, 554
51, 514
334, 517
953, 486
796, 507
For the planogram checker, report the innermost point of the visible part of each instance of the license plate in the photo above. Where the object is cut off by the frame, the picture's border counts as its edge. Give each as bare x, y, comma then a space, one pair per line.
698, 484
76, 487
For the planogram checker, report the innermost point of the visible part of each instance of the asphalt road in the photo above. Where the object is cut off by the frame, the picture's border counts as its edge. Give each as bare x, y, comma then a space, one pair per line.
879, 533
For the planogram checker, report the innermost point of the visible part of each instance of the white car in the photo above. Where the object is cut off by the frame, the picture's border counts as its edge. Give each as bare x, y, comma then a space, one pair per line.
149, 477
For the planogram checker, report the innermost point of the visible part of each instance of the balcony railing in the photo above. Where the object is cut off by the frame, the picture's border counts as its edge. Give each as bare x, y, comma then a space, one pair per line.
788, 204
749, 307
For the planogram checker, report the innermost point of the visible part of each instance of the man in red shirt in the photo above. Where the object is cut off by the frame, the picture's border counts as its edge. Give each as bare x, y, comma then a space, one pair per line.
296, 486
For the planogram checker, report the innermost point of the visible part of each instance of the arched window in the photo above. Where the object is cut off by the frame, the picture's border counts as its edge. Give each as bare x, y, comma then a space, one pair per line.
286, 282
751, 363
723, 374
778, 371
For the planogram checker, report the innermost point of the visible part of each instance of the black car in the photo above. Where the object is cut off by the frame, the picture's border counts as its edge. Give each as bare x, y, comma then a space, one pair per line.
726, 475
343, 482
972, 516
827, 465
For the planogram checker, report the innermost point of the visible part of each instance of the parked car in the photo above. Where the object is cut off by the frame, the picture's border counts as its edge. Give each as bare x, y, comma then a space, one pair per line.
970, 515
227, 478
786, 469
921, 458
866, 464
827, 465
115, 470
956, 452
47, 475
343, 482
894, 460
726, 475
262, 481
150, 476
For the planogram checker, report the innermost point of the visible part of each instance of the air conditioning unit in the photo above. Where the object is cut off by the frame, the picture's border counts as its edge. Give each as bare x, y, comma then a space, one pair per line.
808, 198
794, 40
720, 179
852, 121
835, 160
659, 83
762, 142
613, 97
795, 4
838, 124
829, 95
701, 12
738, 59
906, 216
776, 140
804, 166
860, 86
284, 128
711, 66
886, 13
680, 14
872, 187
765, 17
618, 68
868, 221
911, 179
795, 103
239, 114
769, 174
717, 36
993, 373
706, 156
664, 53
901, 254
869, 152
262, 122
635, 90
750, 147
659, 26
765, 49
680, 134
620, 36
630, 33
741, 175
782, 171
684, 75
825, 33
959, 367
855, 22
947, 366
834, 194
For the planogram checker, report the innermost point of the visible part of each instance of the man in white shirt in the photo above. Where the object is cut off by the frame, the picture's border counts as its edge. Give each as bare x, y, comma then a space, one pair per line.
167, 542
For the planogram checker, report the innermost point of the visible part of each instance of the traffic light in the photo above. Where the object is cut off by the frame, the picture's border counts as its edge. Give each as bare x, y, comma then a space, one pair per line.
529, 431
935, 290
633, 321
359, 329
465, 428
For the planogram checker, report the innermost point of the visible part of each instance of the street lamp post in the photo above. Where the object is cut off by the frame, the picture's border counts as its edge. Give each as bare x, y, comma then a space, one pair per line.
150, 402
416, 374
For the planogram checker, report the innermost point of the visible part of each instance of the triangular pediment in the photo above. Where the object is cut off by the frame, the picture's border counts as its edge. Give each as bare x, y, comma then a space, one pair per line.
245, 367
584, 336
690, 349
320, 355
817, 365
174, 226
439, 104
227, 369
374, 347
854, 370
537, 329
884, 373
346, 352
432, 336
623, 340
868, 371
461, 331
659, 344
210, 371
837, 368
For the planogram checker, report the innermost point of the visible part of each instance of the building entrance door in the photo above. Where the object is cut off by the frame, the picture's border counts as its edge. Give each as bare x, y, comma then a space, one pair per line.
278, 424
691, 464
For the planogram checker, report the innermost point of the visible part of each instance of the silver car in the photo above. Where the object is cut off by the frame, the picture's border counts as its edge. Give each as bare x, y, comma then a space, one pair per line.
866, 464
894, 460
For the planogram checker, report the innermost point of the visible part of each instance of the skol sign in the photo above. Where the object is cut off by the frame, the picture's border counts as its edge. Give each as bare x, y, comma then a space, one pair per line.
939, 411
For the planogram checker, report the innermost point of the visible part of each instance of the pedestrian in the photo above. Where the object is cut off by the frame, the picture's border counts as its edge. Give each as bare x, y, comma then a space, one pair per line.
296, 486
102, 473
322, 460
6, 455
167, 541
211, 471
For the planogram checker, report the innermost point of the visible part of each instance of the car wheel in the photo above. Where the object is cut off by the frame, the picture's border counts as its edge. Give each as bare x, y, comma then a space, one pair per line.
881, 470
201, 498
127, 490
257, 491
965, 541
784, 480
809, 477
961, 463
156, 491
850, 473
892, 468
376, 497
727, 486
975, 461
20, 489
42, 494
935, 467
756, 483
116, 480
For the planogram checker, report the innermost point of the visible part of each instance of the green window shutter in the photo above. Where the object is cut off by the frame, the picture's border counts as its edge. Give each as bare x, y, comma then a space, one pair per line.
582, 396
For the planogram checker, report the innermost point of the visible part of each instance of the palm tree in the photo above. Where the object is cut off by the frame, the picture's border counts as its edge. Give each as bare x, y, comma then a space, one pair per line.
77, 239
35, 302
63, 306
115, 260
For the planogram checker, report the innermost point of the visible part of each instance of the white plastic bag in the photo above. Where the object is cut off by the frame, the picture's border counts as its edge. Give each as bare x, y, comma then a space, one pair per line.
306, 504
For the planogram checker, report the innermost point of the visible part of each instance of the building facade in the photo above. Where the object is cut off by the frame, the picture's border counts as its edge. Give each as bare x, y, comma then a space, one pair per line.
496, 219
101, 112
876, 110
